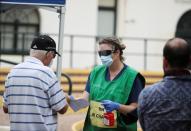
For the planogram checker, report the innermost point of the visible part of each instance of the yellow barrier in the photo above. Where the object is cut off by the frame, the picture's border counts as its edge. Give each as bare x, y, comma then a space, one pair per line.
78, 126
139, 129
1, 101
79, 78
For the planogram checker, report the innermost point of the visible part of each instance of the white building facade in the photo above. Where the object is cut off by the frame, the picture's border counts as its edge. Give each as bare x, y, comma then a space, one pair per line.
144, 26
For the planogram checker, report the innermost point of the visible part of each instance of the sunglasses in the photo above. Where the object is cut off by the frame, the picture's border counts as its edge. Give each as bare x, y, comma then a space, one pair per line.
105, 52
53, 53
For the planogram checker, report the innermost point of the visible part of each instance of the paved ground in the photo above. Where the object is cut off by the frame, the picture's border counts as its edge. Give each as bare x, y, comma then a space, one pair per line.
65, 121
4, 118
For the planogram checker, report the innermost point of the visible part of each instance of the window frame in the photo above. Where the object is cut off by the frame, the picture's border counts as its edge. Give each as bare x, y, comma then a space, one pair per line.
112, 9
14, 50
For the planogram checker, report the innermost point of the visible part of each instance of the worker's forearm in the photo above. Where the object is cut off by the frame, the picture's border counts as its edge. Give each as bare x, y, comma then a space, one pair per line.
85, 95
124, 109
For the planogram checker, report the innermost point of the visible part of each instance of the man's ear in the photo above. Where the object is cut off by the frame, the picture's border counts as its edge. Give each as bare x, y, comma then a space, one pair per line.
45, 61
165, 63
48, 54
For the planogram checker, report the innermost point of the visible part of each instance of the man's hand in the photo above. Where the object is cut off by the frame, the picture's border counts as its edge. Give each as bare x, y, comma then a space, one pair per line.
69, 98
5, 109
110, 105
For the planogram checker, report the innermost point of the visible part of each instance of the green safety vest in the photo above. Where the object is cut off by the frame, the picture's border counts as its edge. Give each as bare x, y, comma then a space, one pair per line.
117, 90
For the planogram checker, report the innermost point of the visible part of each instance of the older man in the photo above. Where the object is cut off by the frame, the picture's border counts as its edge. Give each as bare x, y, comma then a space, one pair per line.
32, 92
166, 105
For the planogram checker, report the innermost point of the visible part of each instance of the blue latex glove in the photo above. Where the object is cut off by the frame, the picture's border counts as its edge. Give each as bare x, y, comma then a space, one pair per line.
110, 105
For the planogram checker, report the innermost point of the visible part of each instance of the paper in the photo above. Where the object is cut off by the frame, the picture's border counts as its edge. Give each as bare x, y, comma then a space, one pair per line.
77, 104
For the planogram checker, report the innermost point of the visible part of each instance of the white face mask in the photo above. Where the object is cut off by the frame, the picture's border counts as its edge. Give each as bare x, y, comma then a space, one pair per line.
106, 60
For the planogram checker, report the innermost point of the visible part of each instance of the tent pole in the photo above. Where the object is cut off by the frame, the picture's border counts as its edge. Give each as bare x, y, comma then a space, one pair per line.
60, 43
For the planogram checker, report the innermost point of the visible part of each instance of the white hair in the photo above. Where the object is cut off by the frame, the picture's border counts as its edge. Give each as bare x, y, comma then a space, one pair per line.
40, 54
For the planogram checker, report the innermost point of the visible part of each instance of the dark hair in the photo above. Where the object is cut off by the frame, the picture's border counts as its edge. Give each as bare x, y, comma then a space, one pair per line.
177, 53
116, 43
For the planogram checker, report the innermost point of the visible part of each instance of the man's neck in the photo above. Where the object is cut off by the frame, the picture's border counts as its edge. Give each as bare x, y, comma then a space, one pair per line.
177, 72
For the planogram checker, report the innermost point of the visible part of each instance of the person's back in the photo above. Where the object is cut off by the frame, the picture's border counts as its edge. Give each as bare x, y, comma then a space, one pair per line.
32, 93
27, 97
166, 105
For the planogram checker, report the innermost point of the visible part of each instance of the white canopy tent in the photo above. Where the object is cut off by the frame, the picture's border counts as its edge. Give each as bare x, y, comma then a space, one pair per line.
53, 5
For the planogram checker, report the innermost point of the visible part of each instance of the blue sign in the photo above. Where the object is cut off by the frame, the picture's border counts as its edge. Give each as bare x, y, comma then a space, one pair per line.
35, 2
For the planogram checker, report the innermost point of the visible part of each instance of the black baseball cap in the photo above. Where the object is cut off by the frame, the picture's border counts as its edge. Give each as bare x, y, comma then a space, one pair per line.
44, 42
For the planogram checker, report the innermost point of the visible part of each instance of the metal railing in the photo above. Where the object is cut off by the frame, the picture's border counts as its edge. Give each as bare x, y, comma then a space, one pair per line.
8, 62
76, 46
69, 83
62, 74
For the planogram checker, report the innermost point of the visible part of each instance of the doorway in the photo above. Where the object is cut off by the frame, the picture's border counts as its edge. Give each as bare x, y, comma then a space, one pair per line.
183, 29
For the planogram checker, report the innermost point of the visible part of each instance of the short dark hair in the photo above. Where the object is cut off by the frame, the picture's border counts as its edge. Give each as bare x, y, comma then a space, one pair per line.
177, 53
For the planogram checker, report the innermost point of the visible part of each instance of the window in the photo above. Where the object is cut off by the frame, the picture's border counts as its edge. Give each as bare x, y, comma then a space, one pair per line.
17, 29
107, 17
